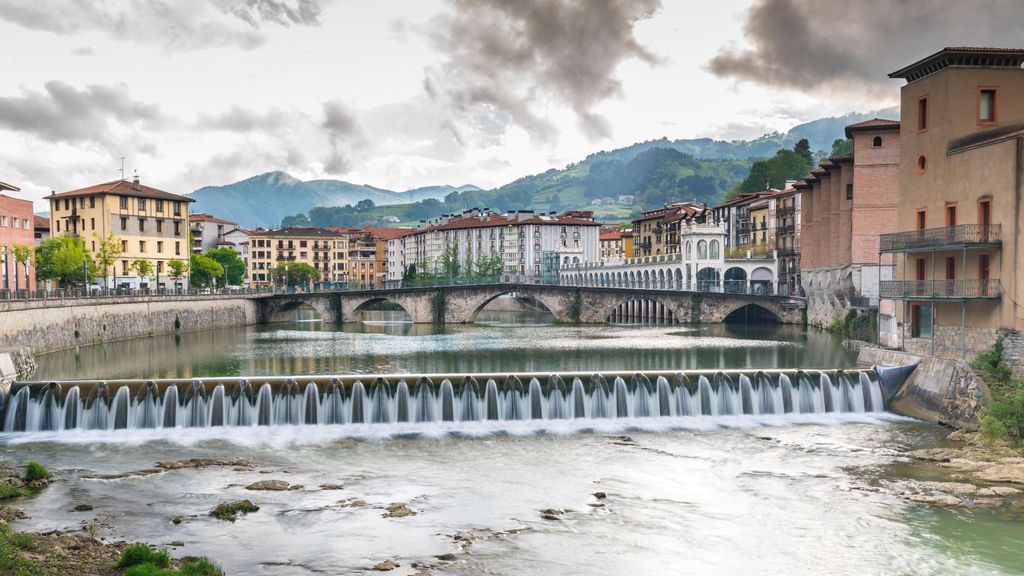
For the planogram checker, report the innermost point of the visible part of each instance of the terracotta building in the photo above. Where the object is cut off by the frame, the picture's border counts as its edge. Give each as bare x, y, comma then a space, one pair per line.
656, 231
959, 251
15, 230
847, 203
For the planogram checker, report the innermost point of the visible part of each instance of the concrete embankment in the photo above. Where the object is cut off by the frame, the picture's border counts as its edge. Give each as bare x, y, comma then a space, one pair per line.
47, 326
940, 390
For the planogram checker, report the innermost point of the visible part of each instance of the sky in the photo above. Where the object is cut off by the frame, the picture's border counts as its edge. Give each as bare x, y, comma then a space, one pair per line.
406, 93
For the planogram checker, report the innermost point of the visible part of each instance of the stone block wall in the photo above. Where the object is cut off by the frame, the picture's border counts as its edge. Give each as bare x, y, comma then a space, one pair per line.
827, 294
947, 342
1013, 351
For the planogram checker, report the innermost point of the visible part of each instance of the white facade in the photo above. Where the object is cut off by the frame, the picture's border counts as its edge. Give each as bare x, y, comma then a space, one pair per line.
208, 231
528, 244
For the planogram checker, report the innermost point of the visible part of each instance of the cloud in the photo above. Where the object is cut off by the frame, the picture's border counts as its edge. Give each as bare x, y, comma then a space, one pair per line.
83, 51
824, 44
175, 24
237, 119
63, 113
513, 58
344, 136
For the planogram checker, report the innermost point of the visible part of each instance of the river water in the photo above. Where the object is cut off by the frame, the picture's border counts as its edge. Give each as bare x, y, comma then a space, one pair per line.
729, 495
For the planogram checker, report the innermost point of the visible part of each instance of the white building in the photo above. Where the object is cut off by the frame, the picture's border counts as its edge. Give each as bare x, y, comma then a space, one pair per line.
208, 231
530, 245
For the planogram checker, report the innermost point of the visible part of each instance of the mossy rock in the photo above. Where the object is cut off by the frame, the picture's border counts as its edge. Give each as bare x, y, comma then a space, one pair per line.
230, 510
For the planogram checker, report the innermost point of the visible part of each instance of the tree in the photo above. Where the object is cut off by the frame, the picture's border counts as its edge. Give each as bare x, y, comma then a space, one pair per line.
142, 268
23, 256
107, 251
488, 266
177, 269
62, 258
230, 261
450, 261
773, 172
803, 148
204, 270
842, 146
298, 274
364, 205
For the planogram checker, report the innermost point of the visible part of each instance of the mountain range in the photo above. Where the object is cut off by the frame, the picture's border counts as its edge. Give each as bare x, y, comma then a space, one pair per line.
655, 172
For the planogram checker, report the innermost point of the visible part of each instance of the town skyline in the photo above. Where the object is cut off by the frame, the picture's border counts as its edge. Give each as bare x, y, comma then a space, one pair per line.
382, 93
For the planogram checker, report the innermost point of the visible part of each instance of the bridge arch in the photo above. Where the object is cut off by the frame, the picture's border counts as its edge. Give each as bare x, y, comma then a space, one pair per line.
642, 310
374, 302
752, 314
281, 308
473, 309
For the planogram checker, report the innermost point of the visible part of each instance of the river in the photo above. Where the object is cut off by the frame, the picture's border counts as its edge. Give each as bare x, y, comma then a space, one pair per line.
730, 495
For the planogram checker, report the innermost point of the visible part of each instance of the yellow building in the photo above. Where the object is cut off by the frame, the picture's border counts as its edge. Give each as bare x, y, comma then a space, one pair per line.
959, 279
368, 254
150, 224
325, 250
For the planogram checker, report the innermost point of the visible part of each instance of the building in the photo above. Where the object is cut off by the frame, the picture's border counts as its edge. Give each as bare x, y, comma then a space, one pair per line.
526, 246
848, 201
238, 239
150, 224
323, 249
396, 262
656, 231
208, 231
959, 248
16, 221
41, 228
734, 217
368, 255
615, 243
788, 215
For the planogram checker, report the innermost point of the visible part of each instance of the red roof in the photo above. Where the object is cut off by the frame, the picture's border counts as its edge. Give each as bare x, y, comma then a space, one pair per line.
40, 222
383, 233
873, 124
967, 56
490, 219
11, 187
200, 217
122, 188
611, 235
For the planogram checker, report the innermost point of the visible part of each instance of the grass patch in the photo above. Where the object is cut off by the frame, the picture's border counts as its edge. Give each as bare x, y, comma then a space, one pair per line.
856, 326
1004, 419
7, 492
231, 510
11, 561
141, 560
36, 471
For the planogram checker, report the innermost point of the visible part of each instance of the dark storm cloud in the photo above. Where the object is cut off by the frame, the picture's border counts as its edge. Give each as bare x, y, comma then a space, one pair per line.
343, 135
811, 43
63, 113
176, 24
514, 57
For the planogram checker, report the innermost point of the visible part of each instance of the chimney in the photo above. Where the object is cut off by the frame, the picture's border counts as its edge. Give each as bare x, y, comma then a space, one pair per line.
135, 181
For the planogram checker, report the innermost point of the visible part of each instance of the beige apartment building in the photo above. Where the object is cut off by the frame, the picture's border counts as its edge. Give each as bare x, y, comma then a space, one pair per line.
959, 273
325, 250
150, 224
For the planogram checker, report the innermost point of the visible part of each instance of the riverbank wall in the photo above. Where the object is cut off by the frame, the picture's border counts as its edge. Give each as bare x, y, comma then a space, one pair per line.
941, 390
48, 326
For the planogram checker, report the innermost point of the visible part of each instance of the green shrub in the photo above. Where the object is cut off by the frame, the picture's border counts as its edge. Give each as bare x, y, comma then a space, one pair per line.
7, 492
993, 431
35, 471
139, 554
11, 560
1005, 417
991, 366
200, 567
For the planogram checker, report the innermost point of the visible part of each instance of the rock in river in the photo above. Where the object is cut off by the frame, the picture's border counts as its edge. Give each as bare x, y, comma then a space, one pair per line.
275, 485
398, 510
386, 566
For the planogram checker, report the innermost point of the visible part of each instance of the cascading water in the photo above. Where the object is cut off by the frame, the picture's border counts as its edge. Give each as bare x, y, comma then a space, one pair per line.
195, 404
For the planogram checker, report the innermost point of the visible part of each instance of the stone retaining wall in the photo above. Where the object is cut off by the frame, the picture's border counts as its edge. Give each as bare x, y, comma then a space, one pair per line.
1013, 351
48, 329
941, 390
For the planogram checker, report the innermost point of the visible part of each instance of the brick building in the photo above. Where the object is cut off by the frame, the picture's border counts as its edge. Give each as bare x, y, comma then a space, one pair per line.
847, 203
16, 220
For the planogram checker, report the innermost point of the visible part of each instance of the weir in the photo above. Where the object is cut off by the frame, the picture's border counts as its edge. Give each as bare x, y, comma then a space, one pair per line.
392, 398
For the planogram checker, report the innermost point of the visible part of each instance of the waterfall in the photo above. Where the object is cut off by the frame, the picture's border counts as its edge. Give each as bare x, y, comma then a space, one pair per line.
52, 407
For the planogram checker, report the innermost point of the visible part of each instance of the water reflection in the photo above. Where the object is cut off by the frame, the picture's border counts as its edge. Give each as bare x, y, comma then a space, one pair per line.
504, 345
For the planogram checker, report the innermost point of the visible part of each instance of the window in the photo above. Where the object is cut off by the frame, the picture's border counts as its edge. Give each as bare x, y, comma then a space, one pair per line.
67, 204
92, 223
177, 228
92, 201
177, 208
142, 224
714, 249
159, 205
951, 215
124, 245
15, 223
159, 225
159, 266
159, 247
24, 224
81, 202
124, 202
921, 219
58, 225
876, 142
987, 106
177, 248
921, 267
142, 246
302, 243
922, 114
922, 164
124, 223
124, 267
702, 250
849, 191
142, 204
921, 321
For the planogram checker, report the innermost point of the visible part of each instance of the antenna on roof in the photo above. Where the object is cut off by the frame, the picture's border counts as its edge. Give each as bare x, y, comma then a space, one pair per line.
122, 167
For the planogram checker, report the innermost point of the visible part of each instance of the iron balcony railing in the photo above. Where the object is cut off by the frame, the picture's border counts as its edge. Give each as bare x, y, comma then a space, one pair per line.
941, 289
935, 238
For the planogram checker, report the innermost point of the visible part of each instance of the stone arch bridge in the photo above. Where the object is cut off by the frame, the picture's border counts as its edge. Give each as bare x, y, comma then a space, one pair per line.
587, 304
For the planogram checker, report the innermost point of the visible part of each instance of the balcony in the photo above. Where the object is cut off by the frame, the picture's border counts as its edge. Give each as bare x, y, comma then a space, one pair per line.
948, 237
941, 289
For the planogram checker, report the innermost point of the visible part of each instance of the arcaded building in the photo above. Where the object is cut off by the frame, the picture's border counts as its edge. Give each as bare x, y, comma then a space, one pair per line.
848, 202
959, 248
